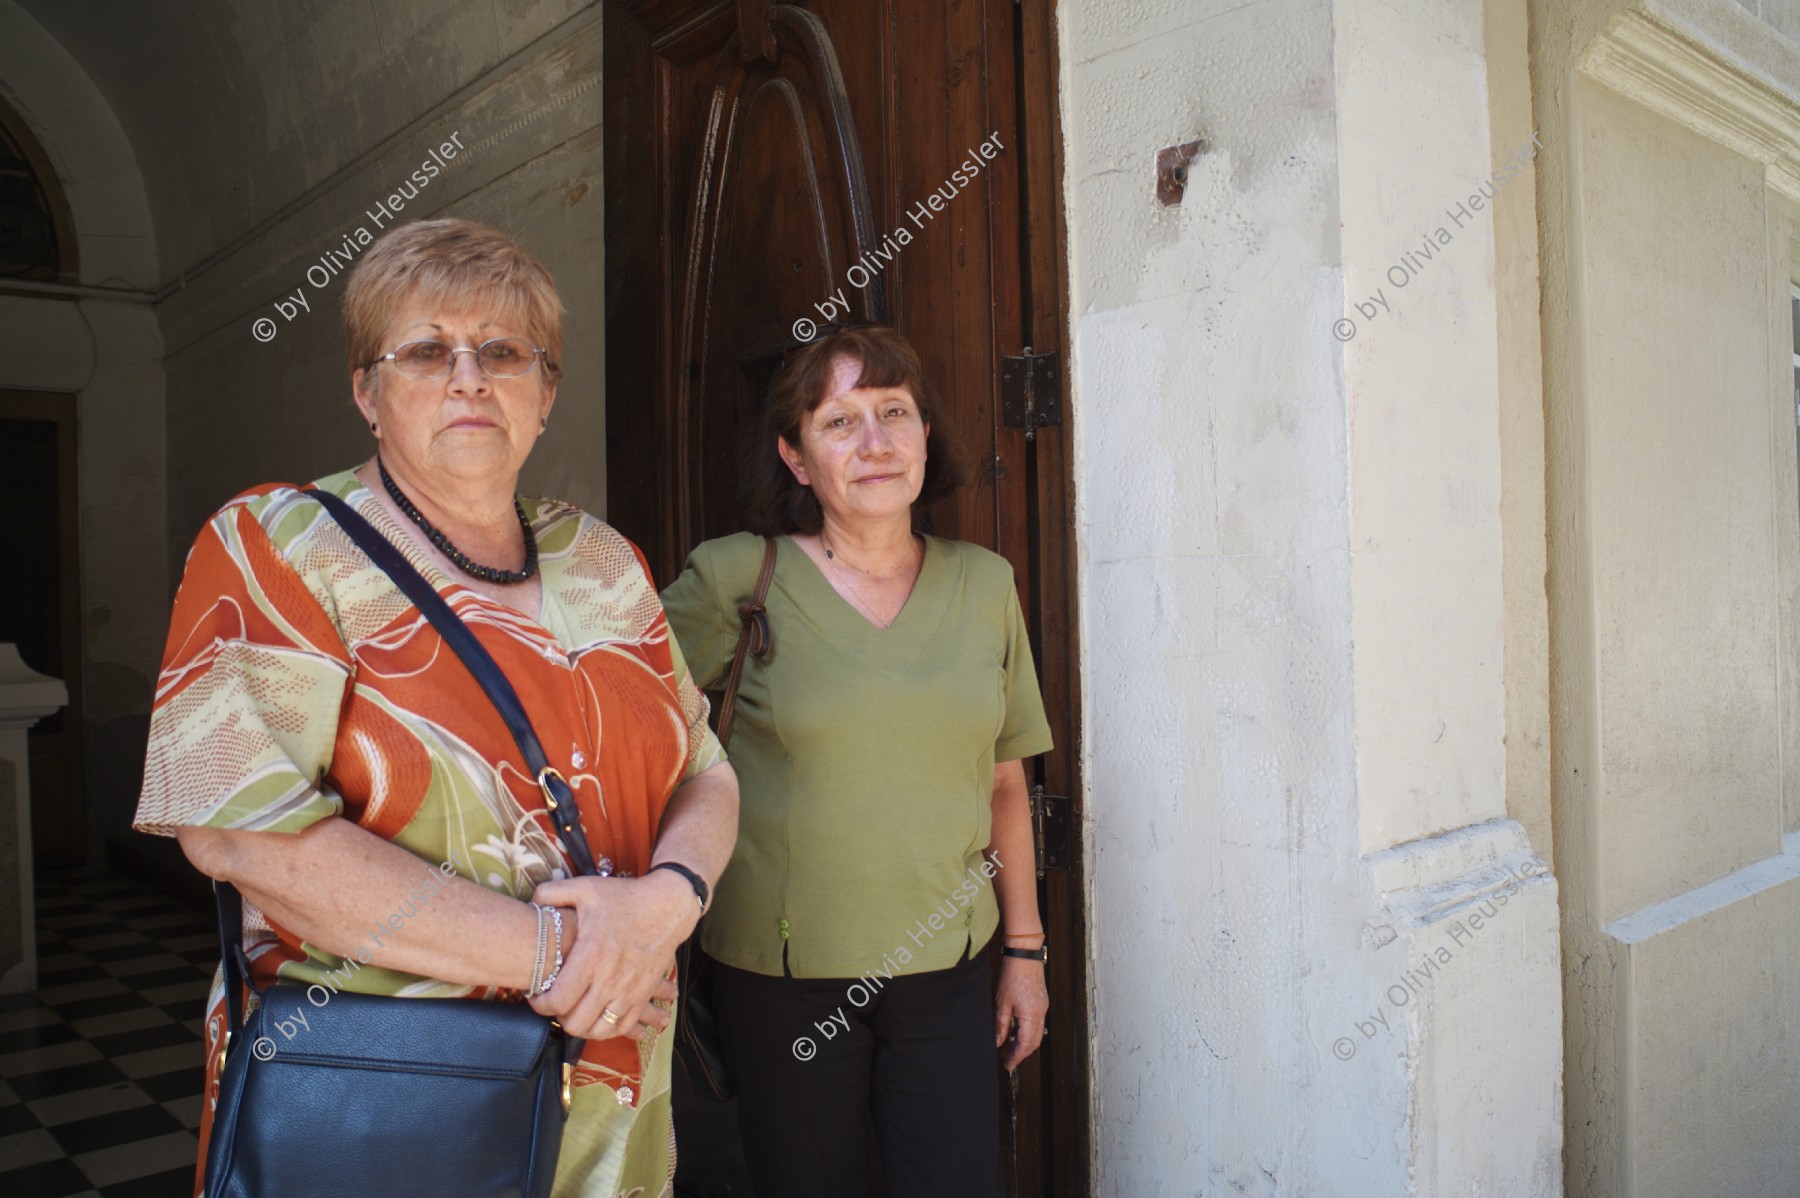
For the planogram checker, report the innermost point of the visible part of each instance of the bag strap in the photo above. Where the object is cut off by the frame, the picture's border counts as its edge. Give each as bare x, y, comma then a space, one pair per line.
756, 637
557, 795
232, 959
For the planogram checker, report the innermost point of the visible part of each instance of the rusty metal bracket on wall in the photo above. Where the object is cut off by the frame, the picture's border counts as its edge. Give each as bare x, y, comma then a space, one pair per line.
1172, 164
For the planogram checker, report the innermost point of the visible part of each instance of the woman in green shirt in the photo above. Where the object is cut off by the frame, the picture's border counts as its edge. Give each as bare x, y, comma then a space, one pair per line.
885, 833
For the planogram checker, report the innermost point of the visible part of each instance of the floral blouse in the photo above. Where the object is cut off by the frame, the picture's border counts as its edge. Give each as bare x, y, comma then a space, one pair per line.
299, 683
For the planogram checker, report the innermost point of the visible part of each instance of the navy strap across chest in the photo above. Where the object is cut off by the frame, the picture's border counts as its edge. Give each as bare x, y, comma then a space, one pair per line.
383, 552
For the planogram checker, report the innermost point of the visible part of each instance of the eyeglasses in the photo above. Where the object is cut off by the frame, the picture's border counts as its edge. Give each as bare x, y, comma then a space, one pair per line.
501, 358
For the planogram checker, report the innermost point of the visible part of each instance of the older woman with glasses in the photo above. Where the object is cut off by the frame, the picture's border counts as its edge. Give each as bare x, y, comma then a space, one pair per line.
316, 744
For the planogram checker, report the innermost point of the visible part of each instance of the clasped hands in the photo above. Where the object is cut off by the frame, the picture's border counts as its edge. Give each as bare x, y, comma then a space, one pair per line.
624, 931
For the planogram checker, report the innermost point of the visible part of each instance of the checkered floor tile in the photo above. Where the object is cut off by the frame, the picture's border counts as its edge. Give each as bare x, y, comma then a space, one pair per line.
100, 1070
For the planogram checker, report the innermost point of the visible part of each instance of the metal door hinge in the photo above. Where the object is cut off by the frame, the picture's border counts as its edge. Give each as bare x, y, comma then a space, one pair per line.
1031, 392
1050, 826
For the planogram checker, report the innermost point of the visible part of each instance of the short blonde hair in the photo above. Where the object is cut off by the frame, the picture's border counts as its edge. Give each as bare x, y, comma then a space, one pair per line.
461, 265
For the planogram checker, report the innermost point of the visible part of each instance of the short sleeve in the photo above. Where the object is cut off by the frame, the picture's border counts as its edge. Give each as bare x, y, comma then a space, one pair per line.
704, 749
1024, 732
706, 630
253, 679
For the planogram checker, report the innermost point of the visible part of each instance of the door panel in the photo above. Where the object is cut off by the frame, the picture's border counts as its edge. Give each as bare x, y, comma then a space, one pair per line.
755, 154
781, 211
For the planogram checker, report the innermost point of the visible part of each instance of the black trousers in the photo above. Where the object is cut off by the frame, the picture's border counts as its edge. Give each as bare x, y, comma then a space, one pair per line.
816, 1058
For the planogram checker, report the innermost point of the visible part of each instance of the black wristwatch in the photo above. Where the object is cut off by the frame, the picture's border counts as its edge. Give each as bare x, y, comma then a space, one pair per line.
694, 880
1040, 954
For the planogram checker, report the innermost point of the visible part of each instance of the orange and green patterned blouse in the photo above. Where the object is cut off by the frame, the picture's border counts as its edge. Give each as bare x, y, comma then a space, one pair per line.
299, 684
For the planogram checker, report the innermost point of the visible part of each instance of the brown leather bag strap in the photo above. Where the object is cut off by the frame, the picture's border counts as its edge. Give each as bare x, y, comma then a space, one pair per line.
756, 637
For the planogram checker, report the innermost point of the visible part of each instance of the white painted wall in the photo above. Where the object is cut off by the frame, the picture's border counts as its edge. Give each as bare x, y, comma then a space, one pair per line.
1293, 613
1671, 215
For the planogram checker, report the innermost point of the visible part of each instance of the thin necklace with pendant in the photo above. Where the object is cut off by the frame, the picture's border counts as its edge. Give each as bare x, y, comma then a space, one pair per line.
868, 608
457, 556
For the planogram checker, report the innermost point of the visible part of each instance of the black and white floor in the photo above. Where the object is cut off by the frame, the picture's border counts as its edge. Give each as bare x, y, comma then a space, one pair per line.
100, 1070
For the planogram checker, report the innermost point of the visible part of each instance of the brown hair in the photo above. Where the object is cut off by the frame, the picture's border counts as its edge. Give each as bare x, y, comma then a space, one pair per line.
777, 503
460, 265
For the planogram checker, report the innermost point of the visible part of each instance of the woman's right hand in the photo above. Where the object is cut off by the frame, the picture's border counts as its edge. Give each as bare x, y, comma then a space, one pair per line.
625, 933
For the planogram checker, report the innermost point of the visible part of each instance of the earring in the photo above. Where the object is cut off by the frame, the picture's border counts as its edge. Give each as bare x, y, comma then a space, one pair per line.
374, 426
543, 424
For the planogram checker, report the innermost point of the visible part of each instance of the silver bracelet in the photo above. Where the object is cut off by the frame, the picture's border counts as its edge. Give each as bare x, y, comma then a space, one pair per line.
537, 970
556, 969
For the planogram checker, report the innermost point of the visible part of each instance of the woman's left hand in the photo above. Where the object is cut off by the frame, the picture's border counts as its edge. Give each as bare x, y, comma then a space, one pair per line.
1020, 1005
626, 934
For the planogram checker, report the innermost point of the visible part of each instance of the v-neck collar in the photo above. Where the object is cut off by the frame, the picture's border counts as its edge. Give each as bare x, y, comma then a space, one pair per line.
909, 616
360, 497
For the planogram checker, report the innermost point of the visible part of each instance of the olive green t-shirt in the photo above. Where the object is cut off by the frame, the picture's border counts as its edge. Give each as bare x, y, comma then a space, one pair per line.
865, 757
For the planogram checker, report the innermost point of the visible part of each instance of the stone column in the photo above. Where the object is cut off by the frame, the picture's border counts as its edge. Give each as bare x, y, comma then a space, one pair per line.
1324, 954
25, 698
1461, 928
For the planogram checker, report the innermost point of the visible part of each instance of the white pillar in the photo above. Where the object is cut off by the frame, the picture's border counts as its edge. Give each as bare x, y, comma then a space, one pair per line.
25, 698
1462, 931
1324, 958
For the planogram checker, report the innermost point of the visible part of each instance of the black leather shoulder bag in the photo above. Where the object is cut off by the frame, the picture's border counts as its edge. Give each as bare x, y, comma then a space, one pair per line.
394, 1096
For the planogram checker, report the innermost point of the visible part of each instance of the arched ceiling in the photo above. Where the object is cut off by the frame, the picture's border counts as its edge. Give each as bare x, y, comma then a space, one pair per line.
236, 107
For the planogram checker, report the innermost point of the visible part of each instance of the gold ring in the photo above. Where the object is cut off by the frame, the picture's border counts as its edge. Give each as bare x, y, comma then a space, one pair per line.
611, 1016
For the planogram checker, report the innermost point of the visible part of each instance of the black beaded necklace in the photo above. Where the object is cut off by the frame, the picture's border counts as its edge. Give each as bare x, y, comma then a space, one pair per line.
477, 570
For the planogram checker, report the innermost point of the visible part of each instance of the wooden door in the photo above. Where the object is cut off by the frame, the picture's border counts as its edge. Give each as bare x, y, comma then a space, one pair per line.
773, 164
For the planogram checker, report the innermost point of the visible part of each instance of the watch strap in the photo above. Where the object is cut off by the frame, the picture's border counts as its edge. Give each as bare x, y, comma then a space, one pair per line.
701, 891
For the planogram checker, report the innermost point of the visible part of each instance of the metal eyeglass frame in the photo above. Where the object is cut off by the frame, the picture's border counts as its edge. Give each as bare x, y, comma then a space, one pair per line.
537, 353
